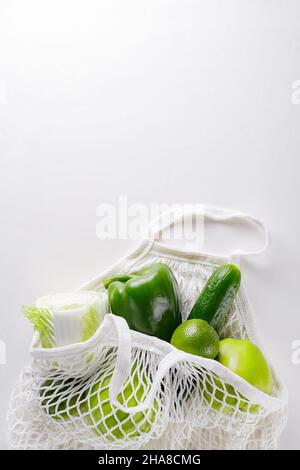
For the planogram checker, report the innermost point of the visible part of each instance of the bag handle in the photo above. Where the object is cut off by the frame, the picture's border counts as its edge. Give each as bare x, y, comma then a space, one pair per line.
214, 213
123, 367
123, 361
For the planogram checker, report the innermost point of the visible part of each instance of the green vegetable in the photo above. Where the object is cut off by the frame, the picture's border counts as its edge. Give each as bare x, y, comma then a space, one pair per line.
41, 319
63, 319
215, 301
147, 299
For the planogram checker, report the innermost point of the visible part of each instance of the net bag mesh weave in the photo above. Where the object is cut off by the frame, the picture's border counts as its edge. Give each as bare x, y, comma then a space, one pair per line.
78, 397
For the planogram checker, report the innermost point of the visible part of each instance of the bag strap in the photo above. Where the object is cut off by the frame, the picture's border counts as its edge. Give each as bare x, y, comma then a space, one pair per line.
218, 214
123, 361
123, 367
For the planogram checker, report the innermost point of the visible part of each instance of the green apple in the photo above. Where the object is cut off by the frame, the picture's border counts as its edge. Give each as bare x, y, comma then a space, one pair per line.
106, 419
246, 360
58, 399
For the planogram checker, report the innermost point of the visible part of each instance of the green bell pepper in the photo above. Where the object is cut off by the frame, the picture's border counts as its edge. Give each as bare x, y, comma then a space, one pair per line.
147, 299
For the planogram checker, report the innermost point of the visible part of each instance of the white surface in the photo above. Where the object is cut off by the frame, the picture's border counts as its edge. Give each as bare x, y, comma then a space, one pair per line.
163, 101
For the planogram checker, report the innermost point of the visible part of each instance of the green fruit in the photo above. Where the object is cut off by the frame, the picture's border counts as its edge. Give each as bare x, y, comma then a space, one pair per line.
224, 397
196, 337
58, 398
246, 360
216, 299
106, 419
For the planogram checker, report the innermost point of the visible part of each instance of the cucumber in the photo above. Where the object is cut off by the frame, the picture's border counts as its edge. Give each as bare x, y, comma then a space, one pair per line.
215, 301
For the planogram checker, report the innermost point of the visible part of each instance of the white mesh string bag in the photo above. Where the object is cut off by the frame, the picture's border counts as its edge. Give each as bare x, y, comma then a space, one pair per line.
125, 390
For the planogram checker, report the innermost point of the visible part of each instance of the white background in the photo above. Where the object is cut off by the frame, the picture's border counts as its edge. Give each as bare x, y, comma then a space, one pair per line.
161, 101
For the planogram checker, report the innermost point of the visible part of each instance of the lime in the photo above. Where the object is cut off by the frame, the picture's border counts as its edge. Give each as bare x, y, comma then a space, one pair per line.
196, 337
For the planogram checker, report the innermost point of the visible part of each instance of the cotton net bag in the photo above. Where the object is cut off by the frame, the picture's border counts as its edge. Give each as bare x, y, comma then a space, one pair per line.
122, 389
